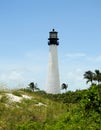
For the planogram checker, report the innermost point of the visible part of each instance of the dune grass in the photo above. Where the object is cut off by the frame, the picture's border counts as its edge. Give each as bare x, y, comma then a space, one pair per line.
53, 114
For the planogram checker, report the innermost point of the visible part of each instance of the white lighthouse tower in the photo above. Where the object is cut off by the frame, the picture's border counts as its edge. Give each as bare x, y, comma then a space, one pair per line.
53, 81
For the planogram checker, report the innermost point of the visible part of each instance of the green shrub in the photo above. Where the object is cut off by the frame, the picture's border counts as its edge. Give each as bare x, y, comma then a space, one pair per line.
17, 93
92, 99
29, 126
4, 99
74, 114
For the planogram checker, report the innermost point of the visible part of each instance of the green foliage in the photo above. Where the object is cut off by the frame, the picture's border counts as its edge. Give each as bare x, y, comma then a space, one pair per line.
79, 110
33, 86
89, 75
3, 99
17, 93
29, 126
68, 97
92, 99
93, 77
64, 86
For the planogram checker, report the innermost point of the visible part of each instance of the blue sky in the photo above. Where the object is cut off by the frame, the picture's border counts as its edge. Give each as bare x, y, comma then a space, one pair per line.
24, 32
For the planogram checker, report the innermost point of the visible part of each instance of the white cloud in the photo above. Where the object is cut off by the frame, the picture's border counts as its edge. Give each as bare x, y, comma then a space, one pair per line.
34, 68
20, 78
75, 74
11, 75
12, 78
94, 58
74, 79
98, 58
15, 75
75, 55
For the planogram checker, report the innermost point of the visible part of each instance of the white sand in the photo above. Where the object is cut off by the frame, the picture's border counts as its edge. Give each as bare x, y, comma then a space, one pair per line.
15, 98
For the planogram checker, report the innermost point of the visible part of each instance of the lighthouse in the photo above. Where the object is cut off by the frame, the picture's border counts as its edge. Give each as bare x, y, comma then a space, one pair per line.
53, 81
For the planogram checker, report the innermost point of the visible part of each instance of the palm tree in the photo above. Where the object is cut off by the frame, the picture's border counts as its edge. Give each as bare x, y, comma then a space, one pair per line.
97, 76
89, 75
64, 86
36, 87
32, 86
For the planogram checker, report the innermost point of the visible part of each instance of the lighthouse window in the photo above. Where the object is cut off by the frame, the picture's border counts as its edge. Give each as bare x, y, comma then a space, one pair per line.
53, 35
